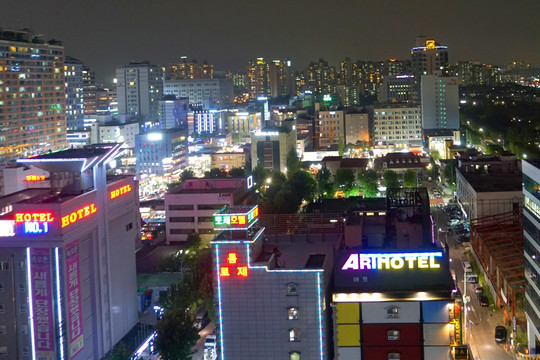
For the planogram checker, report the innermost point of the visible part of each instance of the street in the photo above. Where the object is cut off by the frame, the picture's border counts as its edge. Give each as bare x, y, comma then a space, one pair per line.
481, 337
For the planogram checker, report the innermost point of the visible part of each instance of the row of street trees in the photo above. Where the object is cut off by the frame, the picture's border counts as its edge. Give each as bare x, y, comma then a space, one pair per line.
176, 334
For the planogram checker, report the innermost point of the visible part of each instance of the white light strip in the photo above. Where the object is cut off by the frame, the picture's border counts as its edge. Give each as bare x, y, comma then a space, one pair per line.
59, 301
31, 308
144, 345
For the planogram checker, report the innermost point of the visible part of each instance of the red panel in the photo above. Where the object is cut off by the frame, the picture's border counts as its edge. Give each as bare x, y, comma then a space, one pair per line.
377, 335
381, 353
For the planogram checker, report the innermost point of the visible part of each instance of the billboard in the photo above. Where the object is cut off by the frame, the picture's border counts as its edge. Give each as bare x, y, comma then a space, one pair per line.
391, 270
74, 310
42, 304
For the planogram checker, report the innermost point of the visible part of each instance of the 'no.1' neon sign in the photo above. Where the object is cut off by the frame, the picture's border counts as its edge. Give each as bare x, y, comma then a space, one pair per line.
35, 223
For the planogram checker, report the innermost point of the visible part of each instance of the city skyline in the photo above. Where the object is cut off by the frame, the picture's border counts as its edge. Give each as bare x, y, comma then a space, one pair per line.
106, 35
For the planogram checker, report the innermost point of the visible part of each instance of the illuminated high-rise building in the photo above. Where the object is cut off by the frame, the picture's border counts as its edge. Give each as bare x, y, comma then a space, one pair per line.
440, 102
428, 57
189, 69
139, 89
32, 95
258, 78
280, 78
321, 78
73, 70
89, 90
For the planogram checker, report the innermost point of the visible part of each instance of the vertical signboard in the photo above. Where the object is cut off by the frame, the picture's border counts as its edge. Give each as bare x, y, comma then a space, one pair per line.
76, 338
41, 298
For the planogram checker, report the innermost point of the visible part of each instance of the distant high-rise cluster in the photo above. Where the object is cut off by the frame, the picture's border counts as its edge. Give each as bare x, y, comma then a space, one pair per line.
32, 96
189, 69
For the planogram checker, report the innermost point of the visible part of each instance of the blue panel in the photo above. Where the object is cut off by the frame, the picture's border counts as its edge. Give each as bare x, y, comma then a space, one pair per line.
435, 311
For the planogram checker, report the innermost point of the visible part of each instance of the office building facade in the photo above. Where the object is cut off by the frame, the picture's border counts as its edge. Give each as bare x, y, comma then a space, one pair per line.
531, 229
68, 260
139, 88
174, 112
270, 147
208, 93
32, 96
397, 126
440, 102
161, 153
73, 71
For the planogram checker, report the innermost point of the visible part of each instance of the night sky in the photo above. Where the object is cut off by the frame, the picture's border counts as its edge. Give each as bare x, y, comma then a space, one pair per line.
226, 33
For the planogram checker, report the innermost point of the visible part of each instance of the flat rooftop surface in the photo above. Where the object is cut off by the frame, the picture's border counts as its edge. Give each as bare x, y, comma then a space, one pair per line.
299, 251
494, 182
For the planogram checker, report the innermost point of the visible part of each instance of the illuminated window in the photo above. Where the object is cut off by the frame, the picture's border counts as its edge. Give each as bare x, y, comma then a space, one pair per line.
294, 355
293, 313
393, 335
4, 265
291, 289
394, 356
294, 335
392, 312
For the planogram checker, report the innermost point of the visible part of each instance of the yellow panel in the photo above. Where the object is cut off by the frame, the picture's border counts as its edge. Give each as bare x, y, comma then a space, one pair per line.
347, 313
348, 335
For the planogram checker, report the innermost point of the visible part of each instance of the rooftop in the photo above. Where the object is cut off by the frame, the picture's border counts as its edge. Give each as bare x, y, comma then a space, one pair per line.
490, 183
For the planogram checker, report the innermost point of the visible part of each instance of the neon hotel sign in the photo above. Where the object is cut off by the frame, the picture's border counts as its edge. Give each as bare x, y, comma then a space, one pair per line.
389, 261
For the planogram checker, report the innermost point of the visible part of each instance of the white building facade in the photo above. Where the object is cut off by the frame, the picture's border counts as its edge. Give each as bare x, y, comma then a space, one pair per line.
397, 126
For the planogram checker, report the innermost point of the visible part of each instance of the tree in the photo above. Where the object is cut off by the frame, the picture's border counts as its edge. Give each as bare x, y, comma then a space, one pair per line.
369, 183
341, 146
409, 178
390, 178
293, 164
215, 173
186, 174
449, 173
259, 175
237, 173
176, 335
345, 179
325, 186
435, 155
119, 352
303, 186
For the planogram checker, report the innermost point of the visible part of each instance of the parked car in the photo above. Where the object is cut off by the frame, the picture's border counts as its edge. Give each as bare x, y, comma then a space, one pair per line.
463, 238
478, 288
484, 301
467, 267
500, 334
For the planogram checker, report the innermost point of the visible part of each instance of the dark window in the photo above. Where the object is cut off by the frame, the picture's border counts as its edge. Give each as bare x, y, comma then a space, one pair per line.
181, 231
209, 206
181, 207
188, 219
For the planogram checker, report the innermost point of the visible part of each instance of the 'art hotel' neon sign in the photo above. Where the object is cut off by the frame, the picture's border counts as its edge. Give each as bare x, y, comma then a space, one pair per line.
391, 261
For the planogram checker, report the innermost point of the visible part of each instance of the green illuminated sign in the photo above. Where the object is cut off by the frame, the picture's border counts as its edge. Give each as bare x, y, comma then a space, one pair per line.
236, 221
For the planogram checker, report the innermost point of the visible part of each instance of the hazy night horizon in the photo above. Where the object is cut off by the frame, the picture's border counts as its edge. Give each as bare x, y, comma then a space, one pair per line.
104, 35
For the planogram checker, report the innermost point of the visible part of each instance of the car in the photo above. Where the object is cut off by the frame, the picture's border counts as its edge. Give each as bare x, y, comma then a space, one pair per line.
478, 289
500, 334
483, 300
467, 267
210, 342
462, 239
